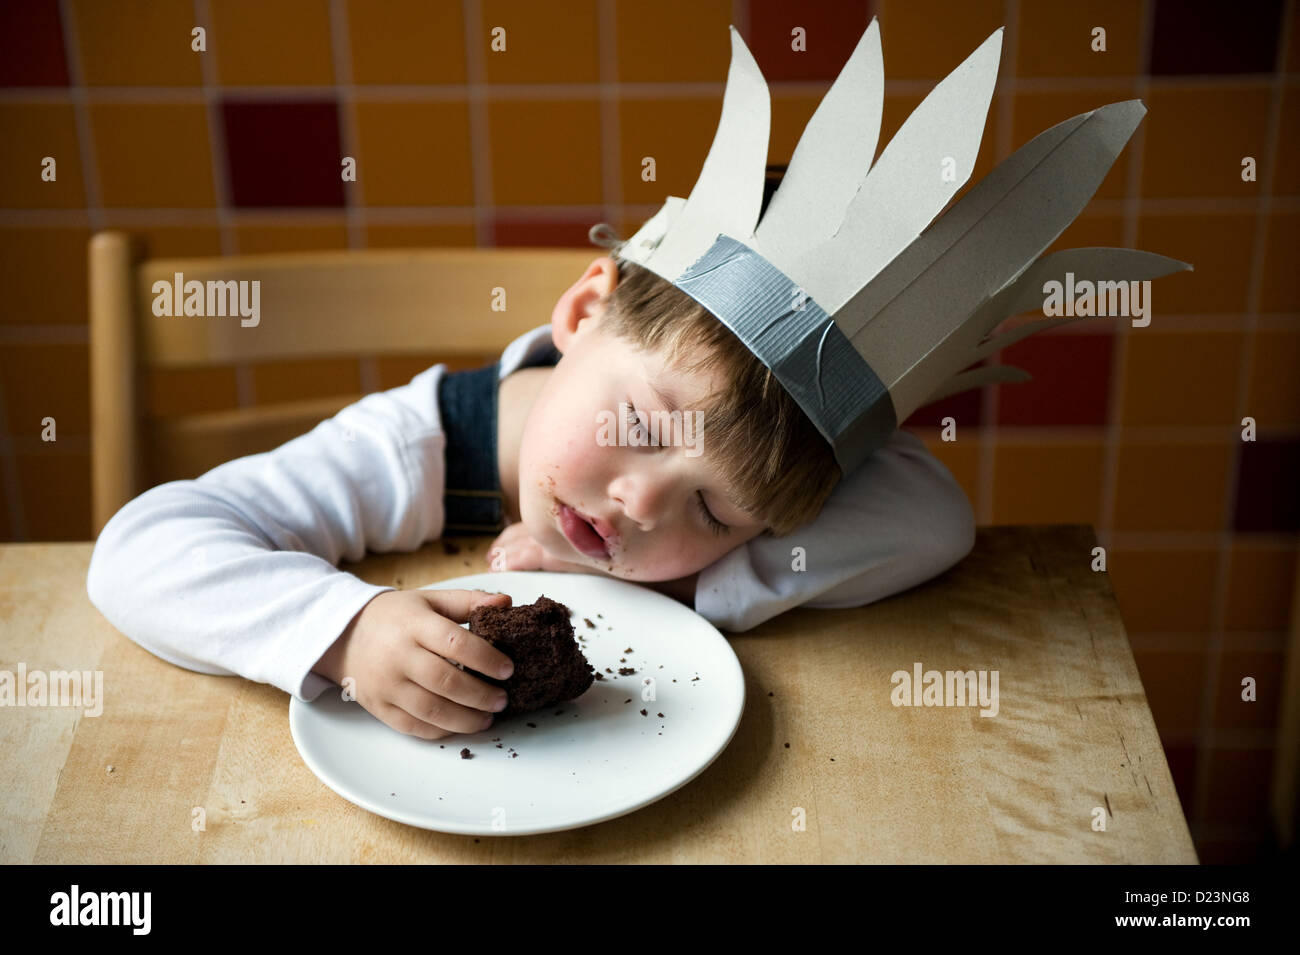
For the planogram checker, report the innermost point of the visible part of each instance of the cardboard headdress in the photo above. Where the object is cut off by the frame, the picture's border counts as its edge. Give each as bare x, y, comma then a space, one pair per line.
860, 314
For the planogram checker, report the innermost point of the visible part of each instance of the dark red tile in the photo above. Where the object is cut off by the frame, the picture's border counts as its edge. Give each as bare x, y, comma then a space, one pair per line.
1070, 384
31, 44
283, 154
832, 31
1204, 37
543, 232
1182, 767
1268, 475
964, 408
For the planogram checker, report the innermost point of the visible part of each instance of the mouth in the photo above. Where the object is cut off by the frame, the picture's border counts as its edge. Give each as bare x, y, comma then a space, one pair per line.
582, 534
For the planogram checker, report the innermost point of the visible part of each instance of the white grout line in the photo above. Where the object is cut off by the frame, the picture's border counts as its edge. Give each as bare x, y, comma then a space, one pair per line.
479, 136
354, 195
612, 158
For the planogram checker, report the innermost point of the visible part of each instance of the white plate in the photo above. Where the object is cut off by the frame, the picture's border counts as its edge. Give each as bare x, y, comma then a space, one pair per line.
600, 759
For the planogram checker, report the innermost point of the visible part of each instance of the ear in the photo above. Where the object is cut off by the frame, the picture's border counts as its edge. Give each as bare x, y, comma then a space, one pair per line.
579, 309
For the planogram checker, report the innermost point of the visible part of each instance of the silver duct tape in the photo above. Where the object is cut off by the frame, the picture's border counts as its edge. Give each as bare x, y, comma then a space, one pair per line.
792, 335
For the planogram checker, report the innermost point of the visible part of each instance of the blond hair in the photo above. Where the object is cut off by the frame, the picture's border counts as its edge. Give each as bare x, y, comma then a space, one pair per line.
779, 468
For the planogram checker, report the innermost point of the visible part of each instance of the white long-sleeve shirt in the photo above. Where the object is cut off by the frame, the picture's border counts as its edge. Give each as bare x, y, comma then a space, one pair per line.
234, 573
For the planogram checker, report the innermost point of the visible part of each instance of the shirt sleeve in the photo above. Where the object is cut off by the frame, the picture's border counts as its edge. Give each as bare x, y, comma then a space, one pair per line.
897, 521
234, 573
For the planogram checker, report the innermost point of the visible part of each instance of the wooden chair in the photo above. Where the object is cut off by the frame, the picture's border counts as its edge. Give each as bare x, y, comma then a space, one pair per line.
312, 305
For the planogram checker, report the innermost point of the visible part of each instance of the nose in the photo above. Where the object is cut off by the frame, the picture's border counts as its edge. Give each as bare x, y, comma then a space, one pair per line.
644, 494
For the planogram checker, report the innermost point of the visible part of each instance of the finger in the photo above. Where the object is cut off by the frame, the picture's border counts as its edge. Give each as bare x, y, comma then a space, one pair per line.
437, 710
404, 722
457, 604
439, 635
431, 672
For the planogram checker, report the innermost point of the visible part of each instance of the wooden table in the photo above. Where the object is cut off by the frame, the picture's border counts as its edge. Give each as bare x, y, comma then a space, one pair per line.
877, 782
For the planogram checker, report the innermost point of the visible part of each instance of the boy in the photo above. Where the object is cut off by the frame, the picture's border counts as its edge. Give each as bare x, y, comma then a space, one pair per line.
234, 572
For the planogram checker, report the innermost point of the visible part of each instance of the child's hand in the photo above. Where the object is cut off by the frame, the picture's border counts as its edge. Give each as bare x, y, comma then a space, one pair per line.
515, 549
400, 653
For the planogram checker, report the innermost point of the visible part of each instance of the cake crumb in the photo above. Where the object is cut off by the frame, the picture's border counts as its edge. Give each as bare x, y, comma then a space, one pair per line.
628, 650
514, 755
622, 659
590, 625
661, 716
440, 746
626, 671
599, 675
694, 678
608, 670
628, 700
644, 713
787, 745
498, 746
466, 754
533, 725
770, 693
601, 616
450, 547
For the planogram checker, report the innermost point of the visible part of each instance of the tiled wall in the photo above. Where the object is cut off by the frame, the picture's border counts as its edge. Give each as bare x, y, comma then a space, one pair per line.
1135, 431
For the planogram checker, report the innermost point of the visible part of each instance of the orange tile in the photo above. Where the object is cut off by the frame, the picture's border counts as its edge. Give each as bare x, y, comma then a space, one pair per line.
540, 47
1265, 668
673, 41
40, 381
1163, 590
1261, 579
1056, 39
33, 132
138, 43
43, 273
1286, 173
395, 370
251, 41
172, 392
1037, 112
265, 237
1218, 247
1048, 483
928, 39
962, 458
1195, 142
406, 42
1274, 395
1171, 487
1089, 230
415, 154
139, 165
55, 489
1281, 291
545, 153
1240, 780
1181, 378
281, 381
676, 134
162, 241
1172, 682
395, 236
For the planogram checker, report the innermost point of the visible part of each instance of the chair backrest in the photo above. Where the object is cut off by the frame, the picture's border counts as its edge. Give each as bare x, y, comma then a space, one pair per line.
355, 304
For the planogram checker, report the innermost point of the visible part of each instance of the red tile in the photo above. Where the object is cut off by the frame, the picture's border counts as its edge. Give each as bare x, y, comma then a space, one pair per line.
543, 232
1199, 37
283, 154
831, 31
31, 44
1268, 475
1071, 381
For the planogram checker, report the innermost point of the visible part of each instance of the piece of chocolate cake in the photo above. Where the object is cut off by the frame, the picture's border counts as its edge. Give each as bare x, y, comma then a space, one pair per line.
538, 638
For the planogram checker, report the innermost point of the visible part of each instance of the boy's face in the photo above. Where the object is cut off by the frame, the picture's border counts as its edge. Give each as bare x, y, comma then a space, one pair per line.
648, 496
